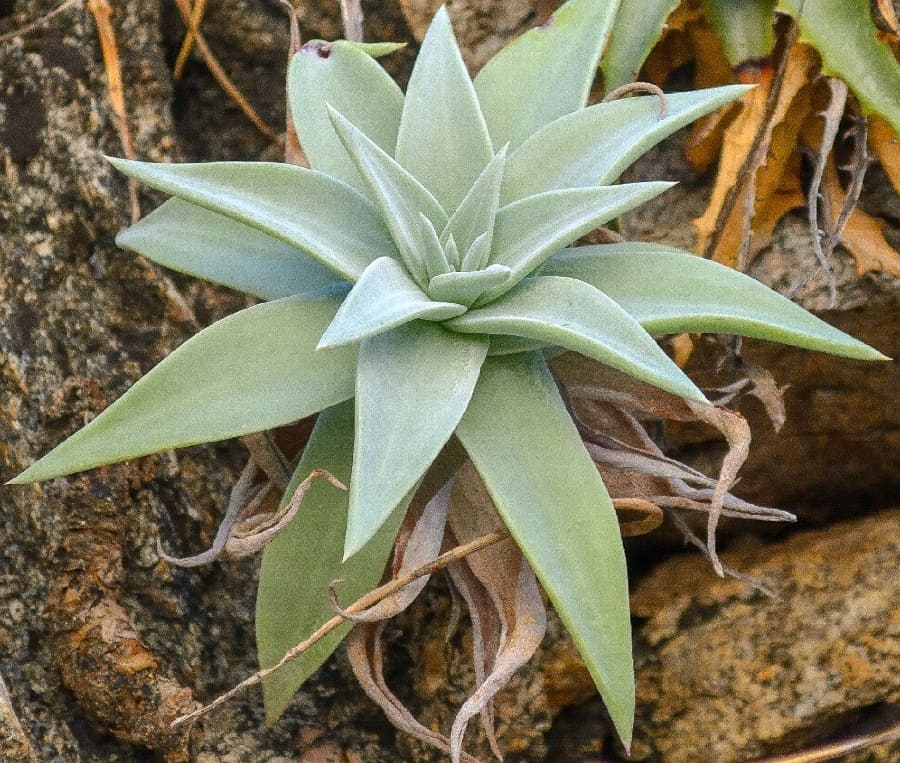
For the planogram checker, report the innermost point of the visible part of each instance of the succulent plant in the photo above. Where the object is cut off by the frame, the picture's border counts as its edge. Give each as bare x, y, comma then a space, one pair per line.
422, 268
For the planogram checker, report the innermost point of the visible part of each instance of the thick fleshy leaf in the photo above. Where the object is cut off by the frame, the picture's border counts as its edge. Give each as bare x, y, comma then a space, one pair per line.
594, 146
639, 24
548, 491
479, 253
399, 195
315, 213
843, 33
340, 74
465, 287
745, 28
412, 386
433, 252
374, 49
546, 73
529, 231
443, 140
669, 291
384, 297
475, 215
255, 370
305, 558
575, 315
193, 240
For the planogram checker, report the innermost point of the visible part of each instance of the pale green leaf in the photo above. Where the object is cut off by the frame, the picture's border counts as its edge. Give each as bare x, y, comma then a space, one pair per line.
507, 345
669, 291
845, 36
443, 140
529, 231
254, 370
746, 28
451, 252
298, 565
548, 491
375, 49
321, 216
412, 386
401, 197
594, 146
436, 262
340, 74
474, 217
384, 297
638, 26
193, 240
546, 73
574, 314
479, 253
465, 287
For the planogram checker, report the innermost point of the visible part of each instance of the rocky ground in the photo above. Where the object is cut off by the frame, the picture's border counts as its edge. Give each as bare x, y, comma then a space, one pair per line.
102, 645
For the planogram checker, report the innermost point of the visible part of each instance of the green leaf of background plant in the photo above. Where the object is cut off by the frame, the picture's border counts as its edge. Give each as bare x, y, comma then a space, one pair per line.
576, 315
316, 80
548, 491
443, 140
254, 370
527, 232
638, 26
744, 27
594, 146
669, 291
383, 298
374, 49
412, 386
845, 36
193, 240
546, 73
298, 564
321, 216
400, 196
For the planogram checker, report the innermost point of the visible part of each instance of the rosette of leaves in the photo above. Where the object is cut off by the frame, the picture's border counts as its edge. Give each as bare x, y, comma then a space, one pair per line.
415, 280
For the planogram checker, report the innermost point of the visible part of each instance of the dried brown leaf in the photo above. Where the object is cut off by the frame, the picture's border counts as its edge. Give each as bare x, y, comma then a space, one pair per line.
756, 151
863, 235
509, 580
886, 146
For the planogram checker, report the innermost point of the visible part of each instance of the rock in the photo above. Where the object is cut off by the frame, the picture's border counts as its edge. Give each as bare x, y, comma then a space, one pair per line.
482, 28
725, 674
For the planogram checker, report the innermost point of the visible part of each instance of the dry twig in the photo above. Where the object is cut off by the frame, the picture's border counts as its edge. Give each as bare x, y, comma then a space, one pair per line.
196, 17
363, 603
41, 21
102, 13
225, 82
835, 750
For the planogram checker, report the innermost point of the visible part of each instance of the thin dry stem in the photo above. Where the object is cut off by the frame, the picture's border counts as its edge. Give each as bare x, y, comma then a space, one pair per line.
352, 16
196, 17
102, 13
832, 116
41, 20
363, 603
858, 173
839, 749
640, 87
225, 82
754, 158
691, 537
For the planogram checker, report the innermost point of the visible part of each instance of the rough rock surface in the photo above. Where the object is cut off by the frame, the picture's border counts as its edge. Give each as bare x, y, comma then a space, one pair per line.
725, 674
101, 644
